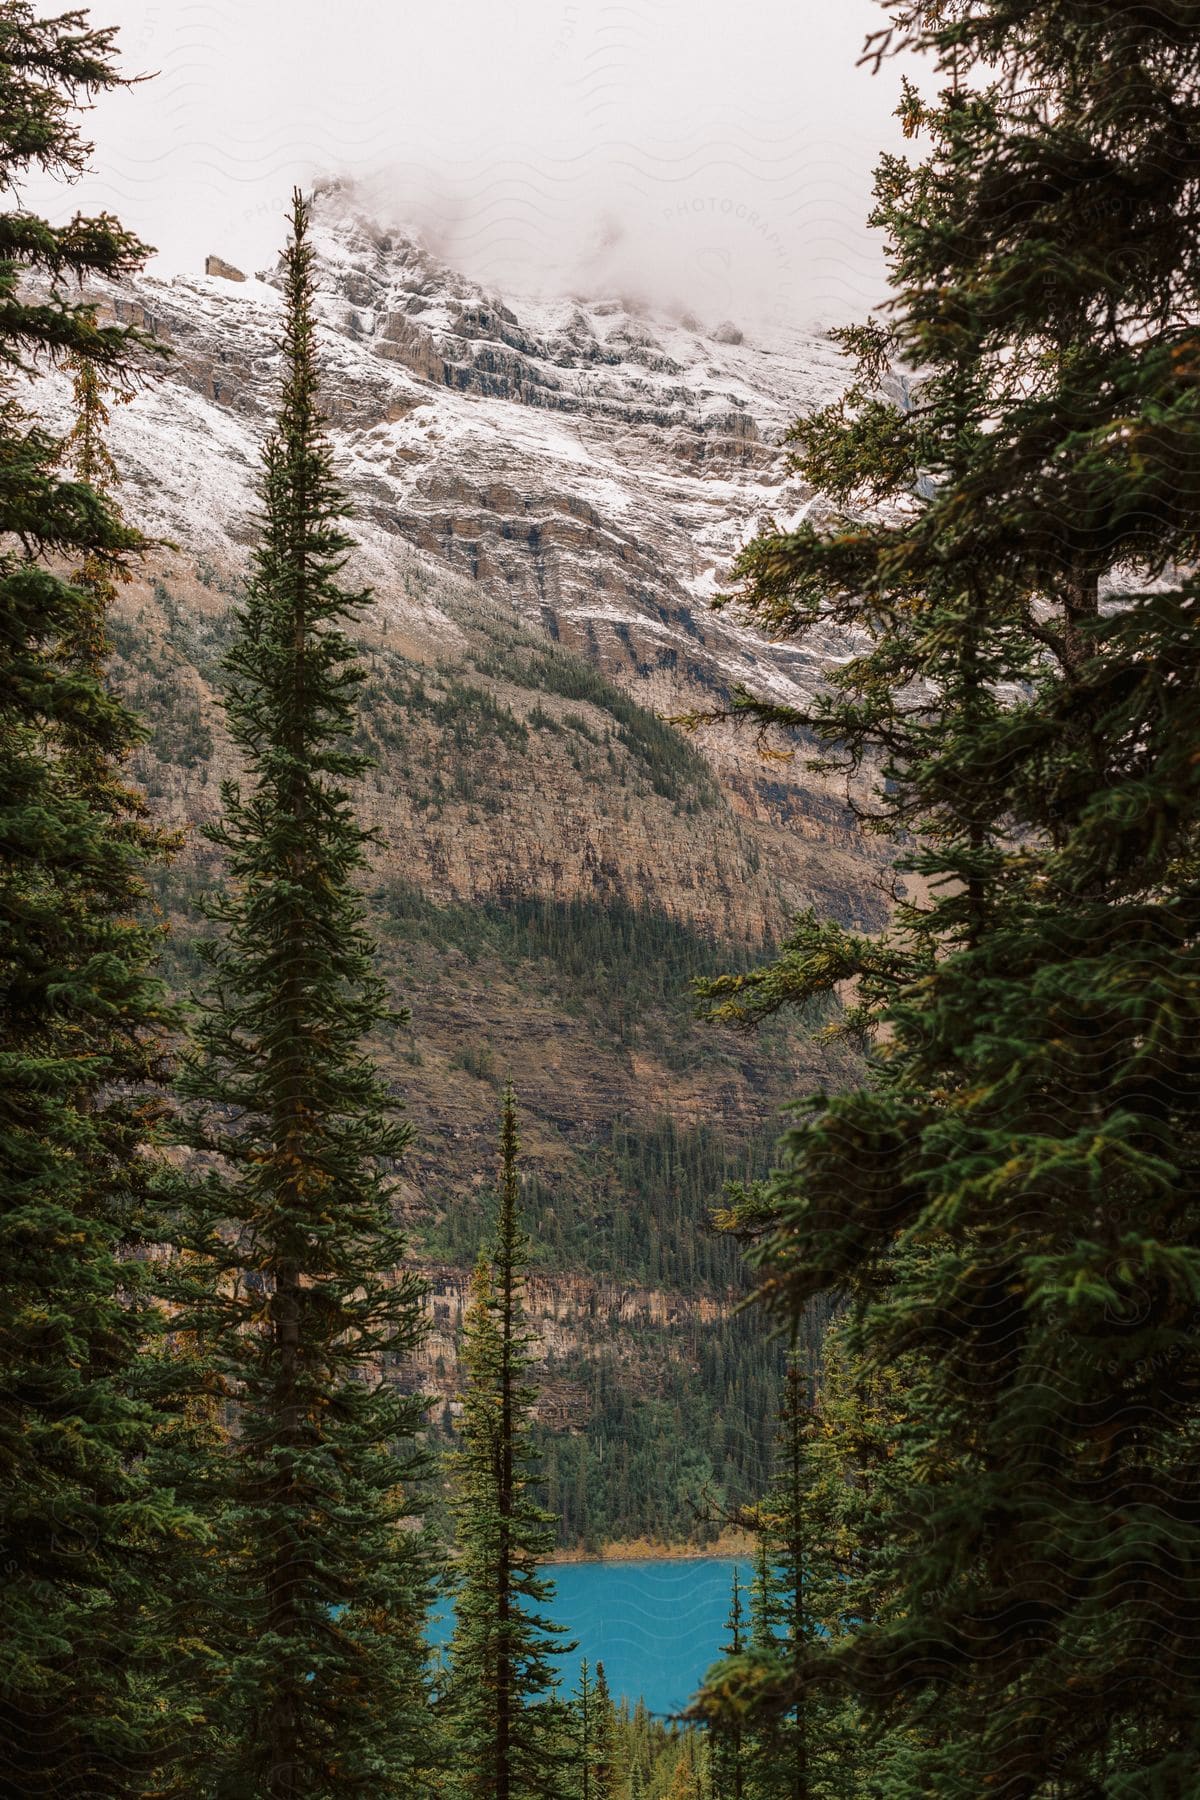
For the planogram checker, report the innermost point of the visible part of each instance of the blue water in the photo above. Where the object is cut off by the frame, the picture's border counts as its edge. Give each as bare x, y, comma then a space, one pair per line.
656, 1626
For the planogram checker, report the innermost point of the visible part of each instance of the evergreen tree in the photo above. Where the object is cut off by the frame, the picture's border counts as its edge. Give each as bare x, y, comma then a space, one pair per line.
640, 1756
824, 1569
596, 1753
790, 1601
1012, 1202
297, 1284
606, 1775
585, 1719
157, 1629
728, 1745
502, 1677
82, 1015
794, 1752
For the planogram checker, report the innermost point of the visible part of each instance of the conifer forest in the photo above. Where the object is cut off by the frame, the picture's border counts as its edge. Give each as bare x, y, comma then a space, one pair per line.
600, 952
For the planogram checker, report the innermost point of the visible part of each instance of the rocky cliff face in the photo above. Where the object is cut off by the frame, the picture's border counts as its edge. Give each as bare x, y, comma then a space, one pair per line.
547, 495
566, 1314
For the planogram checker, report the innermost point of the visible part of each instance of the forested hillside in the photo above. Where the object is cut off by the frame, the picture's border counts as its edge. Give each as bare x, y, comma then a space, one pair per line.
572, 975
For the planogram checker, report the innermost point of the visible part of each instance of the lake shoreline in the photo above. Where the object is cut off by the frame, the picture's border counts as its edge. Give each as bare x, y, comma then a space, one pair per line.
733, 1546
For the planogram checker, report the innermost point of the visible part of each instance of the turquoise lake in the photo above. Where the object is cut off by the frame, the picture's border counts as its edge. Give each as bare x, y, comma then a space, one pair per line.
656, 1626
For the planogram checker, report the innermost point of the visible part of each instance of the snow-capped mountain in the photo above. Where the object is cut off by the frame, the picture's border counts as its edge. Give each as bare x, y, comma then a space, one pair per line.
578, 469
596, 466
546, 495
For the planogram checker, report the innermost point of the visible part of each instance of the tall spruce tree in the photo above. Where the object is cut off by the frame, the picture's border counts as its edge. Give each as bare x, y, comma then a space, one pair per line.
585, 1721
782, 1750
295, 1280
768, 1743
82, 1016
507, 1728
641, 1754
595, 1758
606, 1772
1012, 1202
728, 1735
789, 1526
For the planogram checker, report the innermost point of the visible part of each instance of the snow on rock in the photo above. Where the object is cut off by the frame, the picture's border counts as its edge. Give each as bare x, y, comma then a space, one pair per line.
595, 467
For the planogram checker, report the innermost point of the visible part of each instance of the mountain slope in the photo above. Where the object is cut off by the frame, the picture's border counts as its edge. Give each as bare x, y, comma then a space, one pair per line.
546, 494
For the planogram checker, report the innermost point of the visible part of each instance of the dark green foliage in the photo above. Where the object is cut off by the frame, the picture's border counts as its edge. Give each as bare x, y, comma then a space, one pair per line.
630, 1202
294, 1282
729, 1739
791, 1754
627, 966
677, 1174
180, 735
601, 946
664, 1447
634, 1205
583, 1733
506, 1731
583, 1719
632, 1756
672, 1452
825, 1571
82, 1016
1013, 1203
606, 1755
673, 767
795, 1753
595, 1731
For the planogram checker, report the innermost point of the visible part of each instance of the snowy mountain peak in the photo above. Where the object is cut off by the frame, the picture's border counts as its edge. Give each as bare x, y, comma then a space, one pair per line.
592, 465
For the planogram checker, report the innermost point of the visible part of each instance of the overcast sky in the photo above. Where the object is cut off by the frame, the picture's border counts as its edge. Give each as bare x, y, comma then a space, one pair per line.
711, 155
